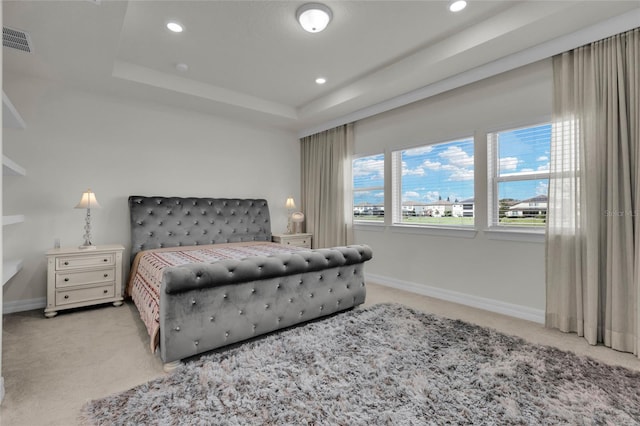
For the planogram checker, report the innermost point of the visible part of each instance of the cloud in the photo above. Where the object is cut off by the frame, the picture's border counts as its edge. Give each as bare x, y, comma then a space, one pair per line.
457, 157
543, 168
432, 165
542, 188
461, 174
418, 171
432, 196
526, 170
418, 151
410, 194
542, 158
509, 163
367, 167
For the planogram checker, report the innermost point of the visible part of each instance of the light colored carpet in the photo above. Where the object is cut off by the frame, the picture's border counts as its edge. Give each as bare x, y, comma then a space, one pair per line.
387, 364
53, 366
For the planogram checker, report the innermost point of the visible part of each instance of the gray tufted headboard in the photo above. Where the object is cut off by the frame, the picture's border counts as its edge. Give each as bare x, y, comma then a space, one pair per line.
158, 222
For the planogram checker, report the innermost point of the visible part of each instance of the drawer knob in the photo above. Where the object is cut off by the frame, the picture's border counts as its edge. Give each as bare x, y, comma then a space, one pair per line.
106, 275
66, 263
105, 291
288, 242
66, 296
105, 260
66, 280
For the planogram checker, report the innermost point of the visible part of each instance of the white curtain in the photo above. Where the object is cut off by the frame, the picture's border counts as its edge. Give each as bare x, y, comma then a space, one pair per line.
593, 223
326, 186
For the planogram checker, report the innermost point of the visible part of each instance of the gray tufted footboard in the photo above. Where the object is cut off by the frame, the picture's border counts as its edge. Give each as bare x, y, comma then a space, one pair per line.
207, 306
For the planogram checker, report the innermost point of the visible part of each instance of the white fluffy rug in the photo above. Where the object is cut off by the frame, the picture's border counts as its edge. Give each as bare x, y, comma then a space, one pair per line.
387, 364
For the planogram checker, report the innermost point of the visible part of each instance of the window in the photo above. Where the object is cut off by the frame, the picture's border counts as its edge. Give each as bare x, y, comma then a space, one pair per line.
519, 176
368, 188
433, 184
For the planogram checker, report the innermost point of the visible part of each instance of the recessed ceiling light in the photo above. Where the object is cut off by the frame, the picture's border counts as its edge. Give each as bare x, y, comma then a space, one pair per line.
314, 17
457, 5
182, 67
175, 27
321, 80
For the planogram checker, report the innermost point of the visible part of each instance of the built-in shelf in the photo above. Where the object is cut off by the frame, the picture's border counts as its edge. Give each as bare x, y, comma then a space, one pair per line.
10, 220
11, 119
9, 269
11, 168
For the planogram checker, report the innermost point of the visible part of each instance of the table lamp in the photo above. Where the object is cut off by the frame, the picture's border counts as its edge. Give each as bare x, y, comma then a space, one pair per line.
88, 201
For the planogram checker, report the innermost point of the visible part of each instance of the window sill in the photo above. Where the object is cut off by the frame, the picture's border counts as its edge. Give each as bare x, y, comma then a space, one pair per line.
369, 226
440, 231
517, 234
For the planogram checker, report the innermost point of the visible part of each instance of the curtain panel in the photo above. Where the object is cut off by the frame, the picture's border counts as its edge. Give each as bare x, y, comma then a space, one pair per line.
593, 219
326, 186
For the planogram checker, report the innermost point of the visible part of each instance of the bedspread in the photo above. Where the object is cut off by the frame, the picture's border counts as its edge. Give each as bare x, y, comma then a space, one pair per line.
148, 267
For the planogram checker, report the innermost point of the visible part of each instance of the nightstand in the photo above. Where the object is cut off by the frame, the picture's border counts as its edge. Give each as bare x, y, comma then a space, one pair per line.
79, 277
298, 240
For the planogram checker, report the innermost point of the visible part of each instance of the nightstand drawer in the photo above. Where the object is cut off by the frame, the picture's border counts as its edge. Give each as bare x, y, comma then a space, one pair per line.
64, 297
298, 242
75, 262
66, 279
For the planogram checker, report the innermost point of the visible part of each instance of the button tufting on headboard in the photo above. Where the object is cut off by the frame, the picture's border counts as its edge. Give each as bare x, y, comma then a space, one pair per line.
238, 221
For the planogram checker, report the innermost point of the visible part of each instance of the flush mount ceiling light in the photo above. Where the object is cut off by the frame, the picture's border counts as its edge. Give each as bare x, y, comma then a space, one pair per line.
314, 17
457, 5
175, 27
321, 80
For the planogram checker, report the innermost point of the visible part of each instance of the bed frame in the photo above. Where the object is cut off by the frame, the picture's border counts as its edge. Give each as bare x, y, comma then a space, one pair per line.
209, 305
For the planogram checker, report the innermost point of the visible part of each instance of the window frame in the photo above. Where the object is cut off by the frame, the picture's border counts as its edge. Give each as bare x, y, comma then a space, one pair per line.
357, 220
494, 229
467, 231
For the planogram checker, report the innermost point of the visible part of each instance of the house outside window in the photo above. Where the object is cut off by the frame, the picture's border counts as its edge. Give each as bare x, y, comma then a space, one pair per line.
433, 184
368, 188
519, 176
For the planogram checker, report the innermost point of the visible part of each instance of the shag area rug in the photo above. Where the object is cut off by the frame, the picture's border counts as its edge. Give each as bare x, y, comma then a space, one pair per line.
387, 364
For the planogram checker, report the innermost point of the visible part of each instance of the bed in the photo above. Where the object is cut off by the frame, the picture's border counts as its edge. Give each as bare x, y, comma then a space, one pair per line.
205, 274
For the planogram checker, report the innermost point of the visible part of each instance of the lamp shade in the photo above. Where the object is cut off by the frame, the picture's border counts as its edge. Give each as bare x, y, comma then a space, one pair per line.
290, 204
88, 201
314, 17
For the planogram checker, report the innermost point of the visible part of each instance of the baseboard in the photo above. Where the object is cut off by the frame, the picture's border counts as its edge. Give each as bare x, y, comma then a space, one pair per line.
517, 311
24, 305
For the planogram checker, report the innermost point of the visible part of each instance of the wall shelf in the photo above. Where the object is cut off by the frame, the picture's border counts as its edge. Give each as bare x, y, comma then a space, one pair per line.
11, 168
11, 119
10, 268
10, 220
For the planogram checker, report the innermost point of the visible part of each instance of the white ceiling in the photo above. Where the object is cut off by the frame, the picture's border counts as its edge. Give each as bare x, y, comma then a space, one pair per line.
250, 60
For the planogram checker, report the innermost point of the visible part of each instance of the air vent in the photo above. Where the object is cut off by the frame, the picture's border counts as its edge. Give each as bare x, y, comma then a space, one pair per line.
16, 39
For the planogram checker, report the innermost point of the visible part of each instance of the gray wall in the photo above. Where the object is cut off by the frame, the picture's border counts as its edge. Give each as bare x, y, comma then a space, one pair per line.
505, 272
76, 140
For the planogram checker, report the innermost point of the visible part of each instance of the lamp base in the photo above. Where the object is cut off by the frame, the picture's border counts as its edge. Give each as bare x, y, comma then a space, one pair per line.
87, 247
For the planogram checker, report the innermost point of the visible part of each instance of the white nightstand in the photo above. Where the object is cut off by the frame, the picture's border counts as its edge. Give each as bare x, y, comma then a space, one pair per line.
78, 277
298, 240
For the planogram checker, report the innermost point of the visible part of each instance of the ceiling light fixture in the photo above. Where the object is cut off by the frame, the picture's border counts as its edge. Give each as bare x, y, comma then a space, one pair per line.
321, 80
182, 67
175, 27
457, 5
314, 17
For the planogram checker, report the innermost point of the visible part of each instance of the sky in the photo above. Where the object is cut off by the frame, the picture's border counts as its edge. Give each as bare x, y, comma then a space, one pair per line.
446, 171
